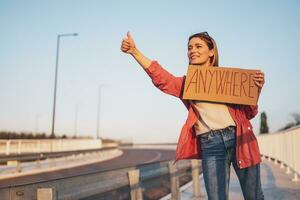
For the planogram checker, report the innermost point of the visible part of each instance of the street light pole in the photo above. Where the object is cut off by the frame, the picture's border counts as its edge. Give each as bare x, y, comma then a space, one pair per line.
75, 123
98, 113
55, 82
99, 110
36, 124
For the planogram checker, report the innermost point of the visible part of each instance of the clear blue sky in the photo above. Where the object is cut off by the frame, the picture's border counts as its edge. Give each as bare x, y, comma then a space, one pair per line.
258, 34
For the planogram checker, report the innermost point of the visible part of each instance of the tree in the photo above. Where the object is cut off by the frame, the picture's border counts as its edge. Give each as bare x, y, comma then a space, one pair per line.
296, 117
264, 128
295, 122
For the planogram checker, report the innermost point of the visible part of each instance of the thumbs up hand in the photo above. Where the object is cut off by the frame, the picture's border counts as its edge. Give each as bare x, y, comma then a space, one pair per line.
128, 45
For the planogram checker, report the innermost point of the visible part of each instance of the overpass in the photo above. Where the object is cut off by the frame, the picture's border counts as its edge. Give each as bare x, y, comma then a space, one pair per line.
156, 178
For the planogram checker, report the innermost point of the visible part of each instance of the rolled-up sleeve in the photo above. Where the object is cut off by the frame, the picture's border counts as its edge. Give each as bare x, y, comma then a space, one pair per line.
164, 80
250, 111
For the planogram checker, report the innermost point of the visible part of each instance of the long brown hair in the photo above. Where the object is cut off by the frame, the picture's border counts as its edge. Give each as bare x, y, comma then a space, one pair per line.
214, 60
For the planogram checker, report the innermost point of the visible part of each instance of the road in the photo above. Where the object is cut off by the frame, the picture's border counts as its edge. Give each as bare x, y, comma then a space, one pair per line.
130, 157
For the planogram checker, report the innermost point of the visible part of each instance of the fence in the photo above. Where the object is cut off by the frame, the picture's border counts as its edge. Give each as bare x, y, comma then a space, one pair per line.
8, 147
282, 147
18, 165
88, 186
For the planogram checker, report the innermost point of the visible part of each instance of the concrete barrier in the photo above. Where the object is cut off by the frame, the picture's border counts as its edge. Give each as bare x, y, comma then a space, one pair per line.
16, 168
8, 147
282, 147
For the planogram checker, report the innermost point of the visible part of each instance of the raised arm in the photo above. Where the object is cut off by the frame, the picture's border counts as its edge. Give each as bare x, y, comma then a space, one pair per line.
128, 46
161, 78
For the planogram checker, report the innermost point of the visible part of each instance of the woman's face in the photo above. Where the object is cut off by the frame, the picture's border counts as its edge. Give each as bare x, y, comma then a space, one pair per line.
198, 52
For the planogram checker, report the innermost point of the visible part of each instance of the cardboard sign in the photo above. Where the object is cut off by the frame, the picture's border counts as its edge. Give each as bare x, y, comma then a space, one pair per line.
221, 84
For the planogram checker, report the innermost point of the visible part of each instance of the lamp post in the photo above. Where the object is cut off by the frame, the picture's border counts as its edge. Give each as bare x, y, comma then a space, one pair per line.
99, 110
75, 123
37, 116
55, 82
98, 113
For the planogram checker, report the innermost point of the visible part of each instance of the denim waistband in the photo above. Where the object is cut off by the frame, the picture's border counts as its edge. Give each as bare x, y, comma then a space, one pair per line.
219, 131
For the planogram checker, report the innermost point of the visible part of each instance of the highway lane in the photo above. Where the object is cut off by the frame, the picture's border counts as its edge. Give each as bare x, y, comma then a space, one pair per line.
130, 157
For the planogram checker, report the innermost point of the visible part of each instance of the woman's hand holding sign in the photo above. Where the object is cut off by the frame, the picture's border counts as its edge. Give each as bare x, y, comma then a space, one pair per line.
259, 80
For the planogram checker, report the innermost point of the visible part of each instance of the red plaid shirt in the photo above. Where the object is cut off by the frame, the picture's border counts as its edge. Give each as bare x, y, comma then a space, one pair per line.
188, 147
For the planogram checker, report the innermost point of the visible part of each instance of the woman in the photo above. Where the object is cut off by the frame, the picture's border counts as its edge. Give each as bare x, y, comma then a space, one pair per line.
219, 134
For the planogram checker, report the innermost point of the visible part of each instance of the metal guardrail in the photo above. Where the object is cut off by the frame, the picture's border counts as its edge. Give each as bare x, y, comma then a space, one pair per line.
282, 147
130, 179
44, 155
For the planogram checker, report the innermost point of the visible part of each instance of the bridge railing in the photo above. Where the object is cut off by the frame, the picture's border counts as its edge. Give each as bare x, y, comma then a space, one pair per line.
282, 147
15, 146
135, 183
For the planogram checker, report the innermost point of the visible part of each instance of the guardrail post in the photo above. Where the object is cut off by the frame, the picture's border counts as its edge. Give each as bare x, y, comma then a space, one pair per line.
52, 146
294, 161
134, 179
39, 146
66, 159
60, 145
52, 162
19, 146
46, 194
38, 164
196, 181
295, 179
269, 158
282, 165
174, 181
16, 164
288, 171
18, 167
7, 147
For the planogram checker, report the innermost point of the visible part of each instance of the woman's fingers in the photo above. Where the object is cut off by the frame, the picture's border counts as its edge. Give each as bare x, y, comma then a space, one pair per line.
128, 45
259, 79
259, 74
259, 85
129, 36
125, 41
125, 49
125, 46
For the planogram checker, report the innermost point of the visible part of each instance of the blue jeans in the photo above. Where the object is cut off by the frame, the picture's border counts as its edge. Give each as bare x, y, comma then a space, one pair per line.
218, 152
